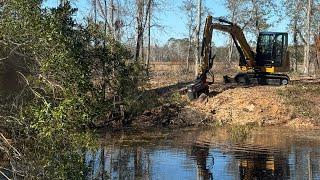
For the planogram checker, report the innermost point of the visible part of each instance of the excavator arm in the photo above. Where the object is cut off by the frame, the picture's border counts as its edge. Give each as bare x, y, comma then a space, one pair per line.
246, 54
206, 58
201, 85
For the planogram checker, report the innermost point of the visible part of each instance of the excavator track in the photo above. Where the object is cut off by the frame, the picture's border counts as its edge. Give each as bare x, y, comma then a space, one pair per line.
261, 78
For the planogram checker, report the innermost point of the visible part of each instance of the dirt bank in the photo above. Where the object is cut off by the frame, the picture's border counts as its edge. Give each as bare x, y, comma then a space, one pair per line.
296, 105
247, 105
173, 116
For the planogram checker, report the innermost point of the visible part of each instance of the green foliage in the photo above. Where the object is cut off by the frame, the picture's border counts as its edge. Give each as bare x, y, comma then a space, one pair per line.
176, 98
127, 87
55, 158
72, 74
66, 76
48, 121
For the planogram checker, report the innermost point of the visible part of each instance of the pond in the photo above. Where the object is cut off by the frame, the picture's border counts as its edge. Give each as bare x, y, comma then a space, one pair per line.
269, 153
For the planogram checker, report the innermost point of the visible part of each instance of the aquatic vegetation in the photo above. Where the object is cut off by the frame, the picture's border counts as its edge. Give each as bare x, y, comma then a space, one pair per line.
240, 133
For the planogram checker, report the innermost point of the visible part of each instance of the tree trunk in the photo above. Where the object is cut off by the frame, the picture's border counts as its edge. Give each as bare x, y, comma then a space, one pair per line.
189, 54
295, 41
104, 64
111, 15
149, 39
317, 59
190, 41
230, 51
142, 47
256, 18
95, 11
230, 37
198, 38
139, 19
306, 61
142, 31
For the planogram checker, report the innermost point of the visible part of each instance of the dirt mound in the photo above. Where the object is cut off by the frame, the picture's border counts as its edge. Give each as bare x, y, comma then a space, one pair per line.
247, 105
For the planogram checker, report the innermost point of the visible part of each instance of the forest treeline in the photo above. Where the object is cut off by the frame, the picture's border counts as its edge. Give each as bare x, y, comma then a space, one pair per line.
301, 19
133, 21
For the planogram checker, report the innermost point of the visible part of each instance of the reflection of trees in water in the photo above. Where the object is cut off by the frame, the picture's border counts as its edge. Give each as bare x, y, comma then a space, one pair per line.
233, 166
135, 163
141, 164
40, 159
297, 161
201, 155
305, 163
119, 163
250, 165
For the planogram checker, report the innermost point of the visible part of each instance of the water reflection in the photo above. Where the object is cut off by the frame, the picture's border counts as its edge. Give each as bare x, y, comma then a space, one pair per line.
206, 154
203, 160
263, 166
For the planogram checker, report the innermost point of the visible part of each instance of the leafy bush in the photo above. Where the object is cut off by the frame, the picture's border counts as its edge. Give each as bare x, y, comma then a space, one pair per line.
63, 77
72, 74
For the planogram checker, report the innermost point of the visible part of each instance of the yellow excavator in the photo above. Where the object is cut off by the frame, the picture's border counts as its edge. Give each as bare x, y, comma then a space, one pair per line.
264, 67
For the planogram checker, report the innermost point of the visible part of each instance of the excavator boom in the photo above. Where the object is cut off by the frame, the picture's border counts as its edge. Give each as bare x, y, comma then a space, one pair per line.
246, 54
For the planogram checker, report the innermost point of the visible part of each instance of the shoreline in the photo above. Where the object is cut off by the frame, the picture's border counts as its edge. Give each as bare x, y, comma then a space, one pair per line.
293, 106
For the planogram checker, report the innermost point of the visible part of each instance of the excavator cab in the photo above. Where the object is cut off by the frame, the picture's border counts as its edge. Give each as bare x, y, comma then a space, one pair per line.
271, 49
270, 58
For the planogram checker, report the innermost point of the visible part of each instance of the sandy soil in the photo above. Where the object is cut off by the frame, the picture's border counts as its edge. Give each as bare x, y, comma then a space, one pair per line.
296, 105
247, 105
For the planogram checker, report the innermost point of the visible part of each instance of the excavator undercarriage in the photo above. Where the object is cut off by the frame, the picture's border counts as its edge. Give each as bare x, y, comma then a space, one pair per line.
258, 79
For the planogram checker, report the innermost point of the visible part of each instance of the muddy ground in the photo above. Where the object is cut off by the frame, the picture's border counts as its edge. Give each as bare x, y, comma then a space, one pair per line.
296, 105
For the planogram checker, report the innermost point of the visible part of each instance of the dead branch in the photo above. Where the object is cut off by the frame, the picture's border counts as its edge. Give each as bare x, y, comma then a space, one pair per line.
11, 117
3, 174
38, 95
301, 37
7, 143
14, 50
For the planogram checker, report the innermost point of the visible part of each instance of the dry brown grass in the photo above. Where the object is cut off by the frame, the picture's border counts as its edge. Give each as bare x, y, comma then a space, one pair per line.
304, 97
